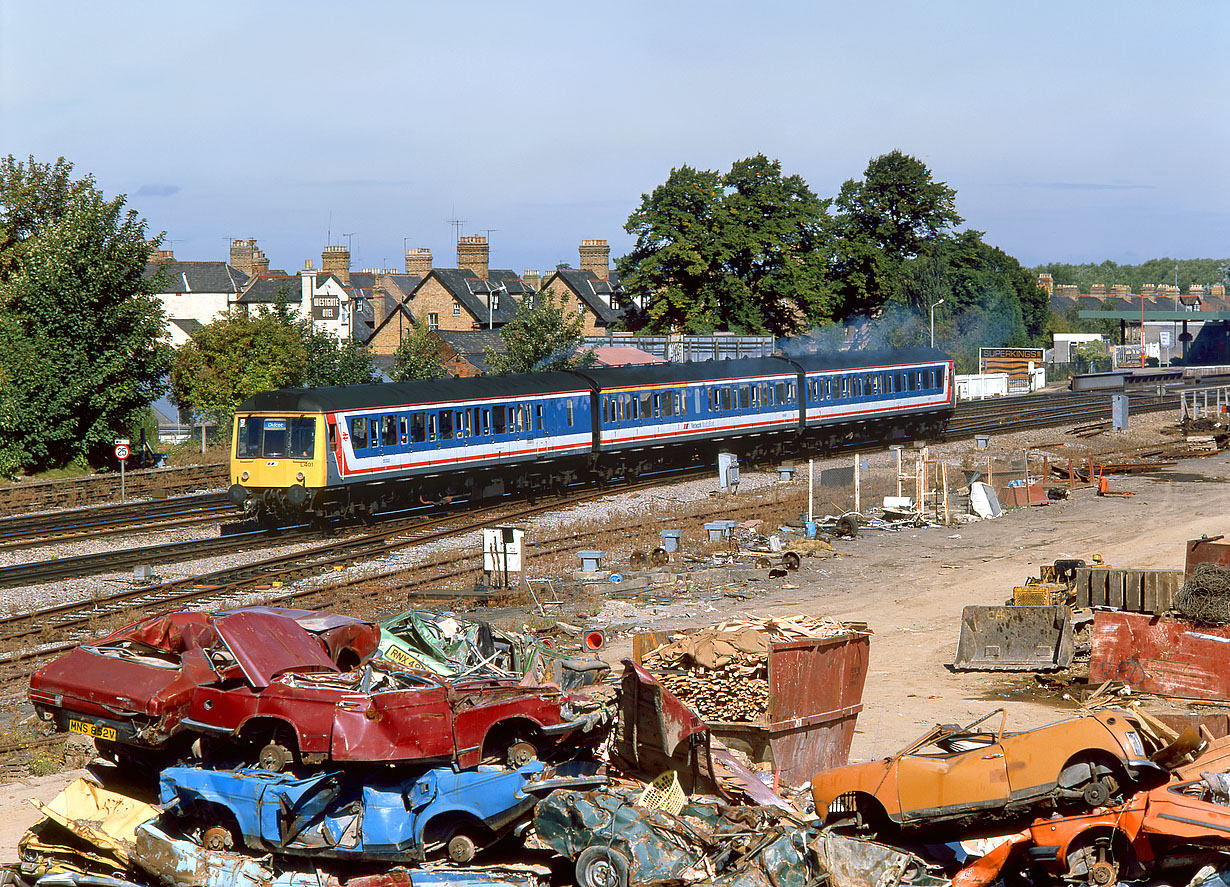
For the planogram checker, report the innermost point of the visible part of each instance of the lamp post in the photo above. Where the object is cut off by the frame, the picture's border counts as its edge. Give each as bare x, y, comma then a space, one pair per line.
933, 307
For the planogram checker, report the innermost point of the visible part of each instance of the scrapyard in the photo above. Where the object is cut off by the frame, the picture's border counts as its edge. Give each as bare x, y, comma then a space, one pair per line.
695, 720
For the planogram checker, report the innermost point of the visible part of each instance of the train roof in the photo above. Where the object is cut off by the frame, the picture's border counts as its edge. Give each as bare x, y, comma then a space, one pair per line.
717, 370
841, 360
387, 394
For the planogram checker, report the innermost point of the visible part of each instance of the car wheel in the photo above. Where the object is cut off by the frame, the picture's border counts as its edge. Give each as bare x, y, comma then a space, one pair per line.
461, 849
520, 754
1096, 793
1099, 859
217, 837
274, 757
602, 867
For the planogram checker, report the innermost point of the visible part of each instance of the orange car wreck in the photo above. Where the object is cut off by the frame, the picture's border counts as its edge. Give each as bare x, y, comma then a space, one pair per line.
953, 777
1177, 826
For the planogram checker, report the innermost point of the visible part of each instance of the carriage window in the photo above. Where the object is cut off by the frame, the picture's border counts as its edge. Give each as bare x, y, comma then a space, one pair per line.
745, 397
332, 435
538, 417
712, 399
498, 416
358, 432
647, 405
403, 432
779, 392
486, 422
668, 403
388, 433
418, 428
446, 425
570, 412
634, 406
724, 393
431, 426
373, 430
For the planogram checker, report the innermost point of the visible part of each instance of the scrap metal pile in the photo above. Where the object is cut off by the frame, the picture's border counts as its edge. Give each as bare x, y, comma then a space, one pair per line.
290, 753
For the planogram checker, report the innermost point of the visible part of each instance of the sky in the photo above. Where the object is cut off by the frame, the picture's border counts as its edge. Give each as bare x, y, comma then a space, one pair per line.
1072, 131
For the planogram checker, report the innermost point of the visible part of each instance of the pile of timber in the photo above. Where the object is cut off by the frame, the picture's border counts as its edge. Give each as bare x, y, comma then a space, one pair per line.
722, 672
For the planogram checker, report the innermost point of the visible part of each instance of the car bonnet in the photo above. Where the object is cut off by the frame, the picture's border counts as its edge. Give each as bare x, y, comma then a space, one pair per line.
265, 645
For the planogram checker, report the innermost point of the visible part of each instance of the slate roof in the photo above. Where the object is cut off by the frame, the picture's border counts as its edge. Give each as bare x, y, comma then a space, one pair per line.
1060, 304
197, 277
472, 345
591, 290
264, 290
464, 286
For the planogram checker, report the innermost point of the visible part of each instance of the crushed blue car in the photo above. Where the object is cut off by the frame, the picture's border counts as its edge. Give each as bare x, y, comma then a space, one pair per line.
613, 842
357, 815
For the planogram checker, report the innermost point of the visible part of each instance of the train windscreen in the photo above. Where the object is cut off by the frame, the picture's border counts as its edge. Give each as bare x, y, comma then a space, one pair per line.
275, 437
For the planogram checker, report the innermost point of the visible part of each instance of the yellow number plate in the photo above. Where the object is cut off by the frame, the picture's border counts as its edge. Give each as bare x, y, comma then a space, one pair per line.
98, 731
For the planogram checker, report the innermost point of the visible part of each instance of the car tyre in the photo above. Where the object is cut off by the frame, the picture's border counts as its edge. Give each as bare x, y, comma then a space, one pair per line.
601, 867
274, 757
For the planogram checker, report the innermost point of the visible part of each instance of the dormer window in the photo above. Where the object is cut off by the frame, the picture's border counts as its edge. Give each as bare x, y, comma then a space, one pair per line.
495, 301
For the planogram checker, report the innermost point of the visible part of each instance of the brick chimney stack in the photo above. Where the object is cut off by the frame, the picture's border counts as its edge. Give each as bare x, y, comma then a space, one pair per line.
161, 256
532, 279
473, 253
418, 261
596, 257
335, 260
247, 257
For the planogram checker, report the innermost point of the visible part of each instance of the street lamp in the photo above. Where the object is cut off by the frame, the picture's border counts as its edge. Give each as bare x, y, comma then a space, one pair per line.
933, 307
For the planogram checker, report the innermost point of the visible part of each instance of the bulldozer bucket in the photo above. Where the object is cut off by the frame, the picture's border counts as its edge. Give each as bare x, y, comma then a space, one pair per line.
1014, 639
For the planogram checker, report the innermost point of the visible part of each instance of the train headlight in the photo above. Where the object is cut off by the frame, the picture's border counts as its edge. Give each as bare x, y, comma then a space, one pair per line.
243, 476
299, 477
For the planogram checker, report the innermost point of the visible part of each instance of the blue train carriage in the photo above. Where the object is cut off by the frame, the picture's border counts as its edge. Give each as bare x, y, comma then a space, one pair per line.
647, 417
333, 452
868, 395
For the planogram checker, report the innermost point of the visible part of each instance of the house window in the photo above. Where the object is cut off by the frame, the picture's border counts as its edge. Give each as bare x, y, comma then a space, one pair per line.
433, 321
456, 309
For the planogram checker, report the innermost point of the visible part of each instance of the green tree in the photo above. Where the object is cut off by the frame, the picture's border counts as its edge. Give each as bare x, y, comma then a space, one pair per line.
543, 335
233, 358
895, 213
81, 350
744, 252
418, 355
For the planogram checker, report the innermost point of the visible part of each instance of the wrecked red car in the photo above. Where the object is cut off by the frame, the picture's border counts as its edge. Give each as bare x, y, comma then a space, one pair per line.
132, 688
283, 697
956, 776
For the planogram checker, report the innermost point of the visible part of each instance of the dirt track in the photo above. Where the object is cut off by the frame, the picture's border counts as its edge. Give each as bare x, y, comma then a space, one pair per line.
910, 587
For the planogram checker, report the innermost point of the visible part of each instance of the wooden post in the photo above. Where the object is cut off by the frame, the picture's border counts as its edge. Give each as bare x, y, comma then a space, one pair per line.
811, 476
1071, 474
898, 452
857, 502
990, 471
947, 514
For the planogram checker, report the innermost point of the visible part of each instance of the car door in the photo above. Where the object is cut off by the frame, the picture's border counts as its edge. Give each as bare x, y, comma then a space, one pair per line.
400, 717
933, 779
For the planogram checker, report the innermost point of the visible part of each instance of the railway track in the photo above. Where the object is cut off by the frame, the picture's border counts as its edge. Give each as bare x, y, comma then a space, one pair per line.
27, 496
33, 530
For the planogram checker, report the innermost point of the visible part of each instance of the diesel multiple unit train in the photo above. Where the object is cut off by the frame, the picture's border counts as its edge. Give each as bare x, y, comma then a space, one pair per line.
323, 453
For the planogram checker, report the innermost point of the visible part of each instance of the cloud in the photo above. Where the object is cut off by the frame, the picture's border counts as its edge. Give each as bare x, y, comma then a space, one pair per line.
1079, 186
157, 190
